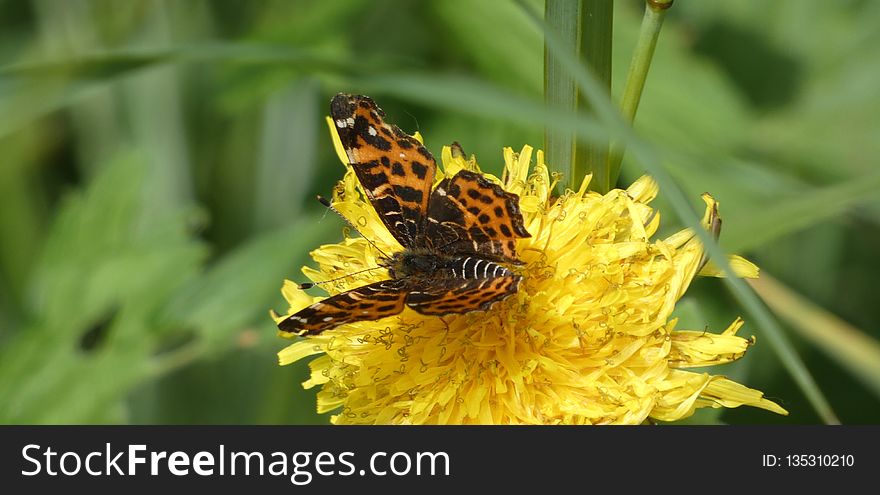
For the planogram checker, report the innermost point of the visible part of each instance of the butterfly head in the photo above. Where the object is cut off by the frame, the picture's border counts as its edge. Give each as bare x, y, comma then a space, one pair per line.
411, 263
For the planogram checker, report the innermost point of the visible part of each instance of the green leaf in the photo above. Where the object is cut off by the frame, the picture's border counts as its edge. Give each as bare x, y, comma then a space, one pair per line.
240, 288
106, 265
288, 153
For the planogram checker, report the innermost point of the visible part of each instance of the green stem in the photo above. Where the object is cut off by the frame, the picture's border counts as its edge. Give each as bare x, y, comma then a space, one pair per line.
655, 11
596, 25
559, 87
584, 28
178, 358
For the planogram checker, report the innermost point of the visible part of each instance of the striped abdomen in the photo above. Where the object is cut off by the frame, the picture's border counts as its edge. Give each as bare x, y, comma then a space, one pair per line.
470, 267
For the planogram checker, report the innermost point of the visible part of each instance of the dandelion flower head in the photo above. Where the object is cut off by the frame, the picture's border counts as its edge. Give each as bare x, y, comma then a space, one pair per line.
589, 337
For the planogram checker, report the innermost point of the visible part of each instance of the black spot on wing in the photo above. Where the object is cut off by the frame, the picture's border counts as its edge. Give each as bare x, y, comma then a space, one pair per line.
419, 168
409, 194
383, 297
387, 204
362, 129
512, 204
371, 181
444, 211
477, 234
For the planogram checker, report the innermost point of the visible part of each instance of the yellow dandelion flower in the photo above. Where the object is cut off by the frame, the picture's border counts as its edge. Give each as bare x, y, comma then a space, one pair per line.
587, 339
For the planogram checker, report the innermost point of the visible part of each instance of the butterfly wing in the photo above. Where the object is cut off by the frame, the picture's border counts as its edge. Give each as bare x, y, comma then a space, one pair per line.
468, 214
370, 302
449, 296
395, 170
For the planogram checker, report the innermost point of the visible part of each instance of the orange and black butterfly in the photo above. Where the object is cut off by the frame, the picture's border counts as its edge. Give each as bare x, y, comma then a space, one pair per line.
455, 238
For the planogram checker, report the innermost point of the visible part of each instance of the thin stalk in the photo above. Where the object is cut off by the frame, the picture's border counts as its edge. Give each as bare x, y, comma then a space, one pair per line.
853, 349
655, 12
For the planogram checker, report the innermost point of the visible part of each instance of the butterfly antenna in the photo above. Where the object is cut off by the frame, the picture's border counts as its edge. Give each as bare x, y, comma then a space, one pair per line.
326, 203
414, 120
309, 285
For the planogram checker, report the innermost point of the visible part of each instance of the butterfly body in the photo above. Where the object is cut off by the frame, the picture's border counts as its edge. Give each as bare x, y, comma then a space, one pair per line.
428, 265
456, 237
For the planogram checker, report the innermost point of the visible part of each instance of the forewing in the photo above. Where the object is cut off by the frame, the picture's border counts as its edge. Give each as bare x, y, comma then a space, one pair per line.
395, 170
468, 214
462, 295
370, 302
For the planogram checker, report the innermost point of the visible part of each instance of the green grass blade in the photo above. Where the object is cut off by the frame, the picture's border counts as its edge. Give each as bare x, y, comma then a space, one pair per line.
476, 97
851, 348
33, 88
288, 153
800, 211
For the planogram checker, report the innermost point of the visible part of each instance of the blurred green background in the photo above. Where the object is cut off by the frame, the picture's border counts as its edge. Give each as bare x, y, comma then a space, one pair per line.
160, 159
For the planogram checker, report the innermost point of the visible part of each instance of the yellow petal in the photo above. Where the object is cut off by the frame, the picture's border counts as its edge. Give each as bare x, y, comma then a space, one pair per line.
692, 349
740, 266
644, 189
298, 350
337, 143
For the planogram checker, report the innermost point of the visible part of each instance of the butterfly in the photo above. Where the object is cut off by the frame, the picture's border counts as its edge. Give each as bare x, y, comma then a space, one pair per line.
456, 238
